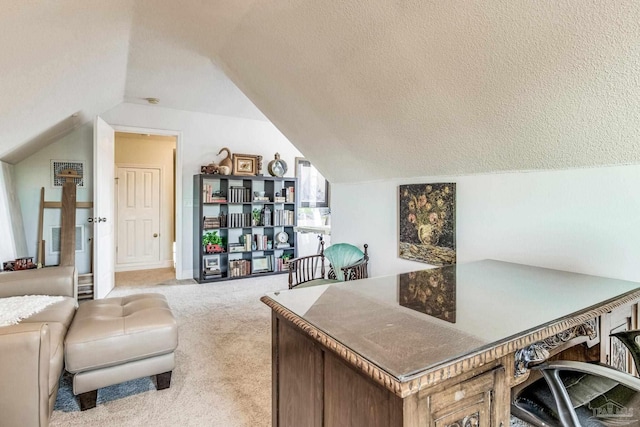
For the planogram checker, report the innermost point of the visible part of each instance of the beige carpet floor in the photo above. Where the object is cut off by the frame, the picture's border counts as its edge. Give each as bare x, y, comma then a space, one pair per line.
147, 277
223, 361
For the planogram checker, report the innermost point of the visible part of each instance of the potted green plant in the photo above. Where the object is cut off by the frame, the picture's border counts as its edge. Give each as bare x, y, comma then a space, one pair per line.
285, 259
256, 214
212, 242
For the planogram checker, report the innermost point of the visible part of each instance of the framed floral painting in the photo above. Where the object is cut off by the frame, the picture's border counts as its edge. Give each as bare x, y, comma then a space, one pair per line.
427, 231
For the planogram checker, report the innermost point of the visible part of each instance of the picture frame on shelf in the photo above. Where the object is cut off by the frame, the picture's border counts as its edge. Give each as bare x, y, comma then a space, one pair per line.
314, 188
260, 265
246, 164
211, 264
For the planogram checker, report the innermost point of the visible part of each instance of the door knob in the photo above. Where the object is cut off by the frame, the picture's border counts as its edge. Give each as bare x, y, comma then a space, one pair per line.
155, 234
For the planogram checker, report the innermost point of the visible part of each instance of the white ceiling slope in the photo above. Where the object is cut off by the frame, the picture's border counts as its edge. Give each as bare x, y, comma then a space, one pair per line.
372, 89
63, 62
367, 89
170, 57
59, 59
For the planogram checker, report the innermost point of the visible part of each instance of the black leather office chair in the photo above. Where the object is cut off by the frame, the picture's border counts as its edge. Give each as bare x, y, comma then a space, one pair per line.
628, 338
575, 394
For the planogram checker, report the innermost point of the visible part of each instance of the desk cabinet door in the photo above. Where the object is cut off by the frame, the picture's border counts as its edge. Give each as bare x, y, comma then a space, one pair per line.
476, 402
613, 352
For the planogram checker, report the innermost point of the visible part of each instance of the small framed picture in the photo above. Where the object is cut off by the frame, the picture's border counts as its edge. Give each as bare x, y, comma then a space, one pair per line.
211, 263
260, 265
245, 164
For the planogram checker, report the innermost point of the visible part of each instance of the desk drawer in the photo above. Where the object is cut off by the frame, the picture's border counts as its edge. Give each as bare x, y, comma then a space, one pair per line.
470, 403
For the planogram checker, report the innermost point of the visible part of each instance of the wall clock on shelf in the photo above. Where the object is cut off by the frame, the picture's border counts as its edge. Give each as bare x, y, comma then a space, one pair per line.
282, 240
277, 167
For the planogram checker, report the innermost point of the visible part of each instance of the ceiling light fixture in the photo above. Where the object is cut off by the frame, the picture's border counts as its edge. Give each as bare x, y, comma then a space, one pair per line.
153, 100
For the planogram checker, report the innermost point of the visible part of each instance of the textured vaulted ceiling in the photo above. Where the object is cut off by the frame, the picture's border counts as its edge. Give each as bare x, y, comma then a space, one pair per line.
367, 89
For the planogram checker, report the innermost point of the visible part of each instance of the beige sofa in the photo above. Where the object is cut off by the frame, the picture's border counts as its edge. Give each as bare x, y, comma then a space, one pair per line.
31, 352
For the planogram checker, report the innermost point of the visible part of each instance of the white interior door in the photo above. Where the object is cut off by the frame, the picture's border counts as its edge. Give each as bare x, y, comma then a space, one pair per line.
138, 230
103, 209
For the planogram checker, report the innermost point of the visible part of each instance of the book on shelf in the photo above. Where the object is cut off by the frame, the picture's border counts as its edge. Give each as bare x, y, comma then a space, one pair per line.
208, 195
283, 245
239, 195
239, 267
289, 194
209, 275
235, 247
248, 240
279, 199
283, 217
261, 199
238, 220
211, 222
261, 242
281, 265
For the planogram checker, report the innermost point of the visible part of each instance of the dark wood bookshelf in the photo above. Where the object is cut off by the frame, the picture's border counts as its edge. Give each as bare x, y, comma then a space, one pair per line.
206, 185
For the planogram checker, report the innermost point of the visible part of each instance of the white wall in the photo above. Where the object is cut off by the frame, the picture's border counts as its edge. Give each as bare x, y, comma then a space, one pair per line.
35, 172
581, 220
12, 241
202, 136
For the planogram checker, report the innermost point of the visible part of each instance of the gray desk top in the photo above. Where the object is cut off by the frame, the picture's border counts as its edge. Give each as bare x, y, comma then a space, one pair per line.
411, 322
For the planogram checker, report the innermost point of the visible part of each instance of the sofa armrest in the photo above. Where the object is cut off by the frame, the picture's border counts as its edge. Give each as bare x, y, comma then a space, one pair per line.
61, 281
24, 369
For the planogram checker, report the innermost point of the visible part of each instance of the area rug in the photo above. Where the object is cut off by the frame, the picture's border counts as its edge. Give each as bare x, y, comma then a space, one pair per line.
223, 363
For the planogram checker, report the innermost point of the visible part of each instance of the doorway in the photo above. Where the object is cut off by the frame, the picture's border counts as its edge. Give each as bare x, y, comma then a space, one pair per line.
145, 168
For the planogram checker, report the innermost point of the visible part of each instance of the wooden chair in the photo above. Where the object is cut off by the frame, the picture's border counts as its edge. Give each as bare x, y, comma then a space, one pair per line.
311, 271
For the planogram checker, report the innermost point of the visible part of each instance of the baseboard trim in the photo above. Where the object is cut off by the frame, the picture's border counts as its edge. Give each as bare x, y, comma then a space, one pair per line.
146, 266
185, 274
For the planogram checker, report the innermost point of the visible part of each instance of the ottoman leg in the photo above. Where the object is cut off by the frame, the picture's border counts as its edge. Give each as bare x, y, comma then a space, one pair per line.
163, 380
88, 400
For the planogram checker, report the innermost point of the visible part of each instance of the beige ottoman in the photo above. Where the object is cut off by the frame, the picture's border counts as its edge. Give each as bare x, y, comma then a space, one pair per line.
114, 340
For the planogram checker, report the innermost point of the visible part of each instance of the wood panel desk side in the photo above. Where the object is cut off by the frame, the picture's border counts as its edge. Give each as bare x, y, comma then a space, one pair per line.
437, 375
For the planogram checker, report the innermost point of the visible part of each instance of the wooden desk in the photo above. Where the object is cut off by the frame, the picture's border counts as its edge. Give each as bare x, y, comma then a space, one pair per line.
428, 348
